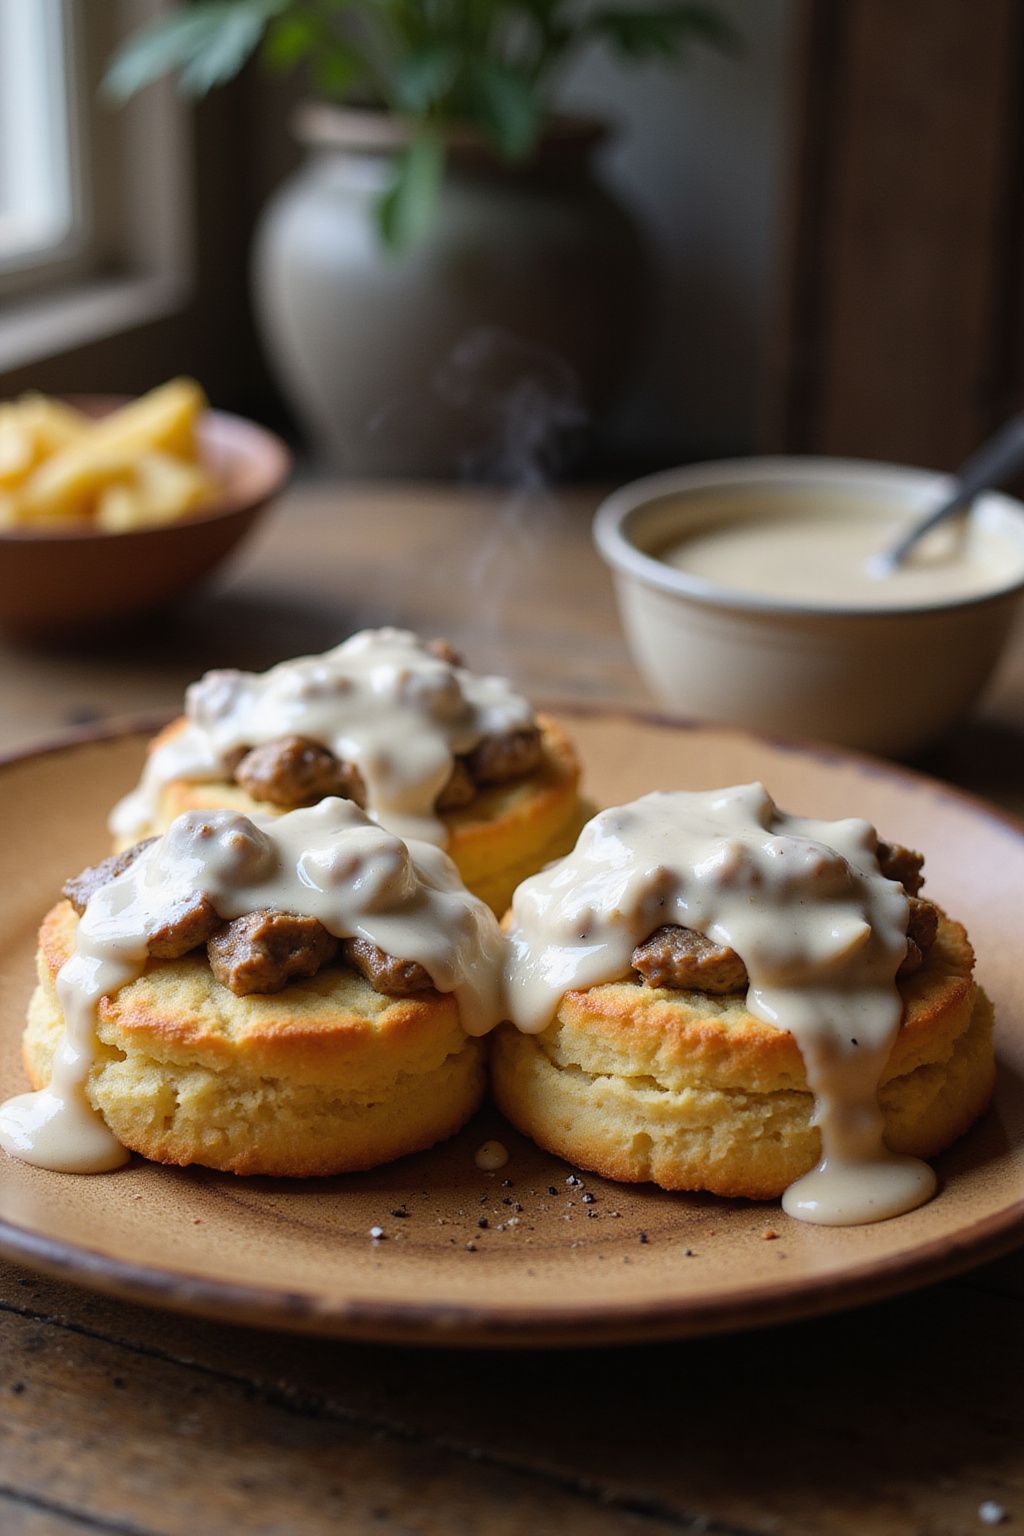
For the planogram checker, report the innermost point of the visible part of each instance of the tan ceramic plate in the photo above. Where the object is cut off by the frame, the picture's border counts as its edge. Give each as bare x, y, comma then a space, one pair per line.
562, 1269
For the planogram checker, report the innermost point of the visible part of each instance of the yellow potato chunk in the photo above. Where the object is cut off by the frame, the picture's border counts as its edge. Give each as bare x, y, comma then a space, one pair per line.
169, 486
163, 419
164, 488
70, 483
54, 423
8, 510
31, 428
133, 468
17, 449
117, 509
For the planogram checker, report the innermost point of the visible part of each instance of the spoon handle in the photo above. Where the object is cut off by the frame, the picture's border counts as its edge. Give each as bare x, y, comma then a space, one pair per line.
995, 462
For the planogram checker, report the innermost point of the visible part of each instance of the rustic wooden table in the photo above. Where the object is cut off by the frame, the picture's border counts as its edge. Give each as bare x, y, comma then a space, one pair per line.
906, 1417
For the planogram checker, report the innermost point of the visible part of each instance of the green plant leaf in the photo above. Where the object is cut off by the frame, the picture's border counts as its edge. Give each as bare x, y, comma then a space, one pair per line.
336, 72
231, 47
406, 210
424, 75
507, 104
206, 43
290, 39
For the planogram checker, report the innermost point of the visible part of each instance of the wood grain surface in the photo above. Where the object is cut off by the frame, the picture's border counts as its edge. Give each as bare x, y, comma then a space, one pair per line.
898, 1418
903, 276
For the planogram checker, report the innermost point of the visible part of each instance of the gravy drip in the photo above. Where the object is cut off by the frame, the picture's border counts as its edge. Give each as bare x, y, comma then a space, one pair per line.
802, 902
330, 862
381, 701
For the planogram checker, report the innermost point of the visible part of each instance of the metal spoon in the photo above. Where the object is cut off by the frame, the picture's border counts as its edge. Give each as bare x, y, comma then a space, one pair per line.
991, 465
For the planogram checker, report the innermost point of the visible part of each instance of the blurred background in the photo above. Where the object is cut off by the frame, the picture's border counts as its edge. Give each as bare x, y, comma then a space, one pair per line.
800, 232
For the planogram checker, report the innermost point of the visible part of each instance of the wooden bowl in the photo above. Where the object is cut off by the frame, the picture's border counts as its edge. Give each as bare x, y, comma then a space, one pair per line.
74, 578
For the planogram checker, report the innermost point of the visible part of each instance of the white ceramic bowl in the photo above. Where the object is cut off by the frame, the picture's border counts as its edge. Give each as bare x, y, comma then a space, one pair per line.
885, 680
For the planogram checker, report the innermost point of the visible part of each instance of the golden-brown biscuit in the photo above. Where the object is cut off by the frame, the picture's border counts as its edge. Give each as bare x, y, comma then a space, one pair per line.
507, 833
327, 1076
693, 1092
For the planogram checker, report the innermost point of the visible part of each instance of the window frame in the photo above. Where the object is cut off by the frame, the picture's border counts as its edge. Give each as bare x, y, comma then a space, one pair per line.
34, 268
130, 259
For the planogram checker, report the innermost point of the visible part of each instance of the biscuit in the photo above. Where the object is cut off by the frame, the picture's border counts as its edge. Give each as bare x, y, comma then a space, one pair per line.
327, 1076
692, 1092
507, 833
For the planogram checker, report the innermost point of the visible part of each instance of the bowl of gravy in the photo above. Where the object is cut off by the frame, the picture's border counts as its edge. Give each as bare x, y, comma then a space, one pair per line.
747, 595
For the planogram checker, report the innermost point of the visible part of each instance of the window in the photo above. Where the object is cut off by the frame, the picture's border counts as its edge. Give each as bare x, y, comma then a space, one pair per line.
96, 232
41, 201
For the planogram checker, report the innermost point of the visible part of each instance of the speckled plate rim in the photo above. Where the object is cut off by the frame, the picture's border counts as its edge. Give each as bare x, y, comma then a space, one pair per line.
582, 1325
437, 1325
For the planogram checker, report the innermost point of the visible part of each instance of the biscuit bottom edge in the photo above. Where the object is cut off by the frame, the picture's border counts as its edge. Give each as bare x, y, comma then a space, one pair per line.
725, 1142
237, 1122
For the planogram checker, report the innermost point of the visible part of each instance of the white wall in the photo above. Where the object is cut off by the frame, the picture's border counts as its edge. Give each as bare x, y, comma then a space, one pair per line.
701, 160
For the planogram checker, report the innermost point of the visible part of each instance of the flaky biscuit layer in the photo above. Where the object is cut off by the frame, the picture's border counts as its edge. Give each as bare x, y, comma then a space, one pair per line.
327, 1076
692, 1092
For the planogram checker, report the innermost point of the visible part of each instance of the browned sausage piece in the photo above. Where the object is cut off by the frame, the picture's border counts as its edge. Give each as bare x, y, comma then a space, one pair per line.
458, 791
80, 887
902, 864
679, 958
264, 951
510, 755
921, 932
295, 771
233, 757
445, 651
384, 973
186, 925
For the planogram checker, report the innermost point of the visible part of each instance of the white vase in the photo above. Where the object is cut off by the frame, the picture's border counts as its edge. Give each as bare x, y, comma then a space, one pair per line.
492, 346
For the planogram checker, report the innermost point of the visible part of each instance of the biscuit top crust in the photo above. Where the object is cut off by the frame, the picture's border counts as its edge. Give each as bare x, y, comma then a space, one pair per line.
396, 724
802, 904
328, 867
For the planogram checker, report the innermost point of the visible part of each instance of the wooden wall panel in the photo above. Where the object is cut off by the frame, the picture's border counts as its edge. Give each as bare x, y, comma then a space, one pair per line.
899, 293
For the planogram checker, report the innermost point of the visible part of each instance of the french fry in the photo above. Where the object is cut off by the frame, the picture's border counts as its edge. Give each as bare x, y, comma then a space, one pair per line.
117, 509
53, 423
17, 448
32, 428
8, 510
164, 419
136, 467
70, 483
169, 487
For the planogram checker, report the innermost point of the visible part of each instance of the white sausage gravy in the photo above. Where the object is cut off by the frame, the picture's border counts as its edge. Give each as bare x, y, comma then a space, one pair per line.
803, 903
330, 862
381, 701
783, 549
